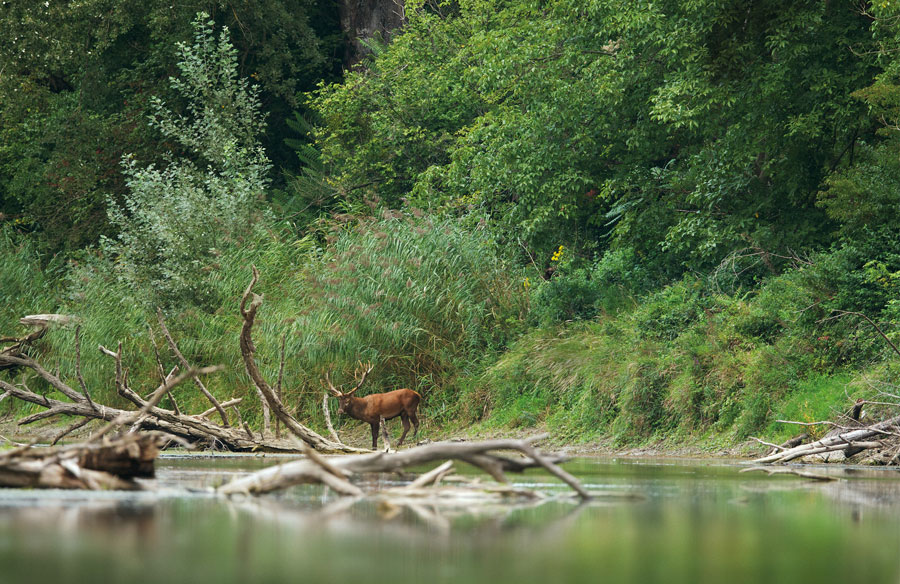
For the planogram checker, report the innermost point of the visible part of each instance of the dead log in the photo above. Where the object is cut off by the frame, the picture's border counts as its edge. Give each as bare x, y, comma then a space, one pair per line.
106, 464
857, 438
248, 313
480, 454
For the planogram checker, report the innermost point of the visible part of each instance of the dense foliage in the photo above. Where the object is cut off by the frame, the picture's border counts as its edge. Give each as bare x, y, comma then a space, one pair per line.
77, 83
680, 129
640, 219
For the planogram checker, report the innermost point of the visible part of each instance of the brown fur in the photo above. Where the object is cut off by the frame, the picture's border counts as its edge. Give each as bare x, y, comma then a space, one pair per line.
371, 408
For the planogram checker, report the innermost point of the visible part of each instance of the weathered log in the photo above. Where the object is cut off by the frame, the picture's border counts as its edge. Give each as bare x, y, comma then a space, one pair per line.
44, 320
855, 438
481, 454
109, 464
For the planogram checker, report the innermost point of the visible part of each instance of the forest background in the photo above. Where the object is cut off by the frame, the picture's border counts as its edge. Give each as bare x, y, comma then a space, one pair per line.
627, 223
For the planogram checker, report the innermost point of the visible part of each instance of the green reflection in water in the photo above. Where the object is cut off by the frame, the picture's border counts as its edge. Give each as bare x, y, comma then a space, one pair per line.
692, 523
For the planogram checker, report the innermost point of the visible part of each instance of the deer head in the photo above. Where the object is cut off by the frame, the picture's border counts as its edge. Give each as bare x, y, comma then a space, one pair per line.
359, 375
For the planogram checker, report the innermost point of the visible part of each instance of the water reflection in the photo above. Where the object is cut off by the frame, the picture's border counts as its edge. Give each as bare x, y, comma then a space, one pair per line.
661, 522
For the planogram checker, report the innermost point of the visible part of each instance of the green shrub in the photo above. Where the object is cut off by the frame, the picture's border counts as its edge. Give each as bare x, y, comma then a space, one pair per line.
175, 221
27, 284
665, 314
580, 291
419, 295
570, 294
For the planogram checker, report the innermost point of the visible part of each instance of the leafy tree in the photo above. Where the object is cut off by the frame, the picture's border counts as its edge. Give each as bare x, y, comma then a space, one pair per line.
76, 82
176, 218
681, 130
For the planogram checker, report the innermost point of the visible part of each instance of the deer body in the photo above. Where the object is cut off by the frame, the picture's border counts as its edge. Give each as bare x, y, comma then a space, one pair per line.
372, 408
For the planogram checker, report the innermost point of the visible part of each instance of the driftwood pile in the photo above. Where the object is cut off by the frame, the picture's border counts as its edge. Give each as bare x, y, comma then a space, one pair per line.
336, 472
879, 441
849, 437
194, 429
114, 463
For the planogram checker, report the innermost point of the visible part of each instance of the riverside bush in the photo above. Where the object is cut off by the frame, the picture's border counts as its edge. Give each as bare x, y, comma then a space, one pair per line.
578, 290
418, 295
175, 221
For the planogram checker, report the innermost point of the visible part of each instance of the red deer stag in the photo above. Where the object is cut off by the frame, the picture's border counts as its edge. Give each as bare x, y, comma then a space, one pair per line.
372, 408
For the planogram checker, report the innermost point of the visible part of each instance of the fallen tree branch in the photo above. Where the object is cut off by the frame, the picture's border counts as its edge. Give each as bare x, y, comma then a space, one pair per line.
225, 404
432, 477
248, 313
852, 438
184, 363
480, 454
110, 464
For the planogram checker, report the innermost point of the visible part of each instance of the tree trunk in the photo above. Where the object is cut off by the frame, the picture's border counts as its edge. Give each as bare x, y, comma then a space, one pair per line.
361, 20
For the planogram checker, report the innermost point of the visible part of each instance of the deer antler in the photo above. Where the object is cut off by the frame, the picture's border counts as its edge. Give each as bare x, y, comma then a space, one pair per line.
334, 391
366, 369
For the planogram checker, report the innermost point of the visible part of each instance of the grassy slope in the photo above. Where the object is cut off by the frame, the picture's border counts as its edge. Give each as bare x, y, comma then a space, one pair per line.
685, 366
710, 385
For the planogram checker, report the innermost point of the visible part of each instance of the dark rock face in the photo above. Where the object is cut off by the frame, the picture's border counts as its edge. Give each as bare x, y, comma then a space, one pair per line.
365, 19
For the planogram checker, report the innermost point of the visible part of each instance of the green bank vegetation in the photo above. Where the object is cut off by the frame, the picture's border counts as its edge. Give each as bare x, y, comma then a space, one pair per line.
627, 223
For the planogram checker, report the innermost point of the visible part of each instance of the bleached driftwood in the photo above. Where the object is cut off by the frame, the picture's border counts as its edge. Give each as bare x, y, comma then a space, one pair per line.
479, 454
856, 438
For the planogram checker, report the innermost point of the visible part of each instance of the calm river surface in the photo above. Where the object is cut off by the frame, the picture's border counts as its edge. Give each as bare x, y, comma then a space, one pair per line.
667, 521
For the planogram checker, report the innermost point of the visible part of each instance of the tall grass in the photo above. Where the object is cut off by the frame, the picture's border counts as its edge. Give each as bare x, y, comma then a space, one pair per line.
420, 298
28, 282
416, 295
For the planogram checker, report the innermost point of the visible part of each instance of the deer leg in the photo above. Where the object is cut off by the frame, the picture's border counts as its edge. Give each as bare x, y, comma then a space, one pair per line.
375, 435
415, 421
405, 419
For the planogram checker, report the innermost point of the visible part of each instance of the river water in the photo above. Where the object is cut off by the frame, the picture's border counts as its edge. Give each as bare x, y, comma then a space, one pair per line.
669, 521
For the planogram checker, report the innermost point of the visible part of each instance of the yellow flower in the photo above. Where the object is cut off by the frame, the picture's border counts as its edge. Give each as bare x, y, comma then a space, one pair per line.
557, 255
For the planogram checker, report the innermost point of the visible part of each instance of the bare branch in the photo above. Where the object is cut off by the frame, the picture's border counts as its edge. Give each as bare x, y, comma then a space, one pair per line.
265, 390
184, 363
162, 371
331, 431
81, 382
69, 429
225, 404
843, 313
